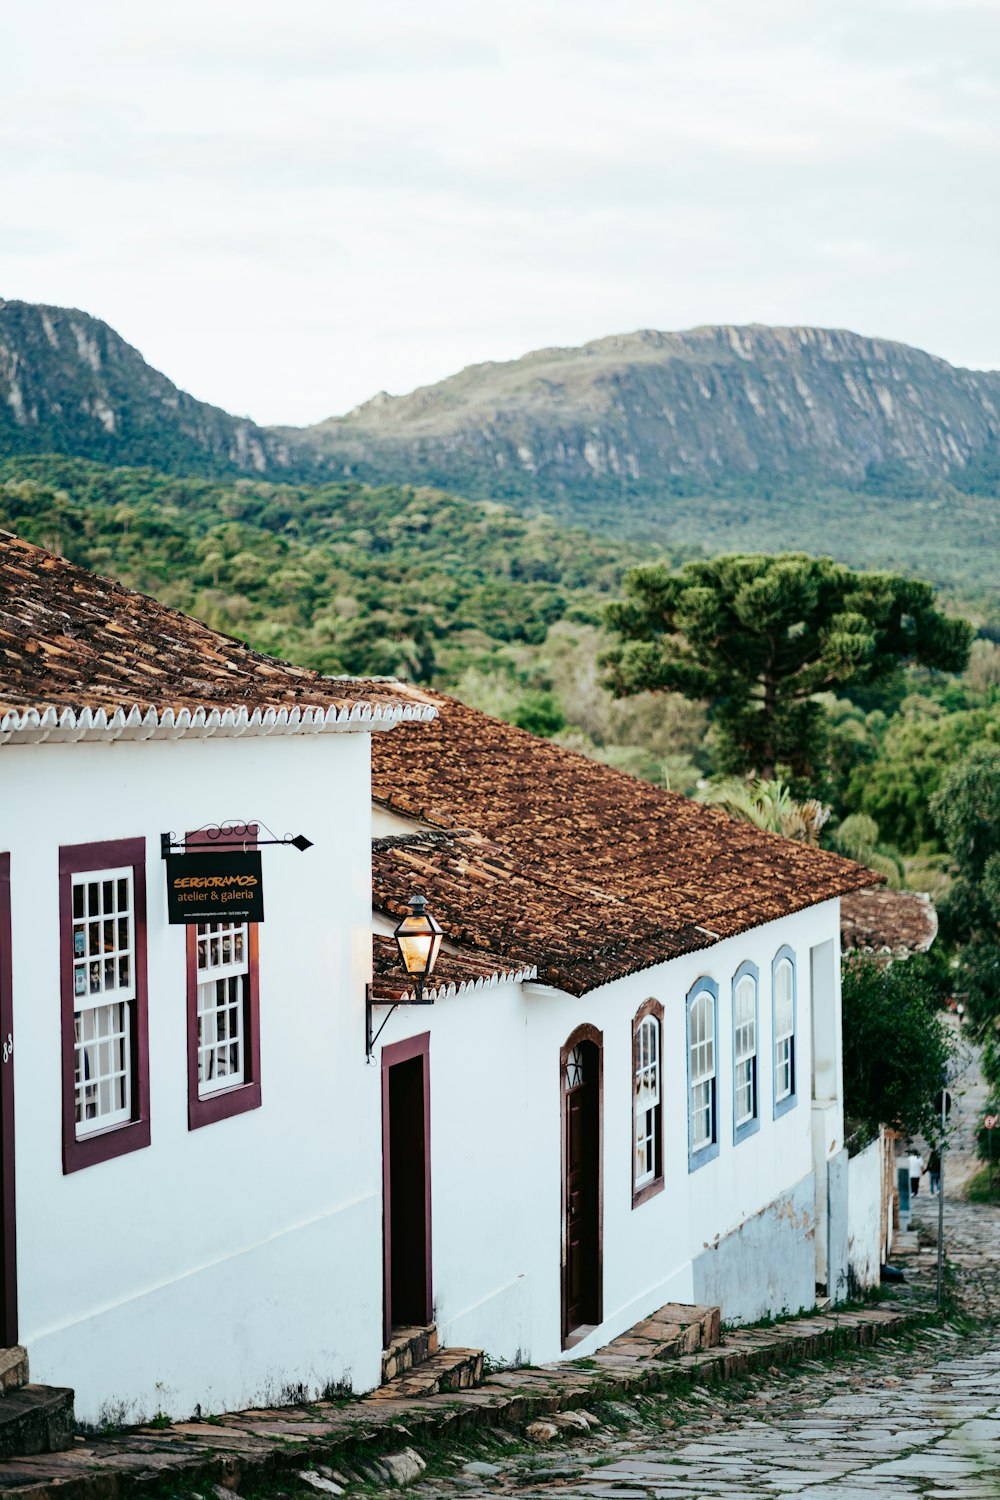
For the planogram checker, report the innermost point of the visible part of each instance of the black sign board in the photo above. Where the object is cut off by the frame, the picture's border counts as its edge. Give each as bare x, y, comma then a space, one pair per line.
224, 886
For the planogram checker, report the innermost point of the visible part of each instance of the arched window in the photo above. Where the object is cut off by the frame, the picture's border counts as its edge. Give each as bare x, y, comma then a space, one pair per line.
647, 1102
746, 1106
703, 1133
783, 992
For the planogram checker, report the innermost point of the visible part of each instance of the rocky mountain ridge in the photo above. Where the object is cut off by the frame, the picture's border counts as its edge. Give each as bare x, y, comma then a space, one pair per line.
631, 416
70, 384
710, 403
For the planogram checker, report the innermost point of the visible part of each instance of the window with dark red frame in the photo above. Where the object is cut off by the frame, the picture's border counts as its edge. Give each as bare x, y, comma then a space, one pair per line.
105, 1039
223, 1006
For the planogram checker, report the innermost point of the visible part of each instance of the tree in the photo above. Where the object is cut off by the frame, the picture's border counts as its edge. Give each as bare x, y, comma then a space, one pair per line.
896, 1048
769, 805
967, 809
920, 745
759, 637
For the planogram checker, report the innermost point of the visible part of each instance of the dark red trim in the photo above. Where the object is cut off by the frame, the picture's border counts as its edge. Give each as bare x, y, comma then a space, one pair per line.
650, 1190
584, 1033
8, 1201
399, 1052
77, 859
246, 1095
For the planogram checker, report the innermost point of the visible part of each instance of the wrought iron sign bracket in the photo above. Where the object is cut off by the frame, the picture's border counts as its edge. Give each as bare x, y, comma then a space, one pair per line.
231, 835
370, 1002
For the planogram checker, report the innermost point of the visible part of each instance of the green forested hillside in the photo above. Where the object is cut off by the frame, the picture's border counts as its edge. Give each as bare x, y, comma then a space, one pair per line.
340, 577
719, 439
503, 610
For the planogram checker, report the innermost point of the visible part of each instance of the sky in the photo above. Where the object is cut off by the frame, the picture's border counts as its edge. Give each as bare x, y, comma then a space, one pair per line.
288, 205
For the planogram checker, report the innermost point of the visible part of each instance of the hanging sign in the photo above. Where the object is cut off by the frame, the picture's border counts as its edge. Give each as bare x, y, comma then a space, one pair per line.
224, 886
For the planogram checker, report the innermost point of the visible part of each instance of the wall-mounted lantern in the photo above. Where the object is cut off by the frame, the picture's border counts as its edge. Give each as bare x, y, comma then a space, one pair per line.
418, 938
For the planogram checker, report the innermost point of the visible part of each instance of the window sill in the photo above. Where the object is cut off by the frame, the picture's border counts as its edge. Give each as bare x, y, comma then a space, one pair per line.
702, 1156
647, 1191
223, 1105
782, 1106
103, 1145
744, 1131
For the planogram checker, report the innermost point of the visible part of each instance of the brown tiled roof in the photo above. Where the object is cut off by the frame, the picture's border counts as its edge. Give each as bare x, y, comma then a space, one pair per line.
454, 973
71, 641
576, 859
574, 936
889, 923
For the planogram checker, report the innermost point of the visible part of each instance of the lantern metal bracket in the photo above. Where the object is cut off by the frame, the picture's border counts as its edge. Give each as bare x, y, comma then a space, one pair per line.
371, 1001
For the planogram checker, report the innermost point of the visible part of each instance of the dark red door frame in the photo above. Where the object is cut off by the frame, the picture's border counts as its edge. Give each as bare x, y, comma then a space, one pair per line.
8, 1237
399, 1052
585, 1033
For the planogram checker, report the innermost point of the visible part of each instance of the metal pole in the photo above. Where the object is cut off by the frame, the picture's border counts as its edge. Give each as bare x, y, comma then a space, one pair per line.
990, 1134
940, 1247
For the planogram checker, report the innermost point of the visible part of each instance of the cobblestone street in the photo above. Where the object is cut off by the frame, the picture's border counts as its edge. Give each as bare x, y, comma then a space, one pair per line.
920, 1417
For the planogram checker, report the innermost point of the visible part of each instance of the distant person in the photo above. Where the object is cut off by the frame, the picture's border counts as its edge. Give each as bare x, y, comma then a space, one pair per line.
916, 1172
934, 1171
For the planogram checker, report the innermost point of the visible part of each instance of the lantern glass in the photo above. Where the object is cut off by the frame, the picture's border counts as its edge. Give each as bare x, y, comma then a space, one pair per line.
418, 938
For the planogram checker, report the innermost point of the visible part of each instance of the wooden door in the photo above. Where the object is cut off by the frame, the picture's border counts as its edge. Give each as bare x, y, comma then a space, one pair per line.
406, 1184
581, 1093
8, 1256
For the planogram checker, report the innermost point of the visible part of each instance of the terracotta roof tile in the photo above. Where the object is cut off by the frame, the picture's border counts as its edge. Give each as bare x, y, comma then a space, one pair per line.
585, 870
70, 640
890, 923
574, 935
454, 974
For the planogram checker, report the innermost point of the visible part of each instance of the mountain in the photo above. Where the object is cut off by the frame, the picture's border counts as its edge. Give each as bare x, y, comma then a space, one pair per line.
643, 410
70, 384
719, 439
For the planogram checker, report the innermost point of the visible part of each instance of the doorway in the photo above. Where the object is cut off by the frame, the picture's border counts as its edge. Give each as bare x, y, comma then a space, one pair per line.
581, 1082
406, 1185
8, 1257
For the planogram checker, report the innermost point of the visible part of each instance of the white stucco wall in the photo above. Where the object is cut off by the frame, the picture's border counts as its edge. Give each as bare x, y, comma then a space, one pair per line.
213, 1267
864, 1216
242, 1262
496, 1148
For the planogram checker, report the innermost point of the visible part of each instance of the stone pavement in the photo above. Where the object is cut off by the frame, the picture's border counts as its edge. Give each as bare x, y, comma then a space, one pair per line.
918, 1418
251, 1449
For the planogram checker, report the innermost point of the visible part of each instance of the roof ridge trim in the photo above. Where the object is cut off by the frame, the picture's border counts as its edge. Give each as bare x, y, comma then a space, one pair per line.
49, 723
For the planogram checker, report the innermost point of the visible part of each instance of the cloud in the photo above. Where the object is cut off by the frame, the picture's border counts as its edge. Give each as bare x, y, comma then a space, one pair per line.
289, 206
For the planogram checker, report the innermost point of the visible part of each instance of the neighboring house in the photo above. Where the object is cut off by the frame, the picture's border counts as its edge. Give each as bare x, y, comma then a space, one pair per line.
191, 1176
663, 1101
887, 924
625, 1089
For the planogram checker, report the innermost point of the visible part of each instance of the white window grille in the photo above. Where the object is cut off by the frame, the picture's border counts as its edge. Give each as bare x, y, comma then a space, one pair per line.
223, 964
745, 1023
647, 1099
575, 1068
103, 997
784, 1030
701, 1047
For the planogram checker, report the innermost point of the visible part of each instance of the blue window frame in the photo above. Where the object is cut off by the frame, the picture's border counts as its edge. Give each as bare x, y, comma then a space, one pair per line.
703, 1072
784, 1018
746, 1052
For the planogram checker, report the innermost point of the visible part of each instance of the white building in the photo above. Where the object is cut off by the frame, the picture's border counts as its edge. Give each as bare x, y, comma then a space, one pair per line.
625, 1092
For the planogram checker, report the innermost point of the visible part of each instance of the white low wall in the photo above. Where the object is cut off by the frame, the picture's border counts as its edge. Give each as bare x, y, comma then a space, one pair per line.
864, 1217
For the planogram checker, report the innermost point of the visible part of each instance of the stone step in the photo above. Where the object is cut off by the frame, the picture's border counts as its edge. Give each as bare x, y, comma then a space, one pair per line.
448, 1370
13, 1369
673, 1330
36, 1419
408, 1347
